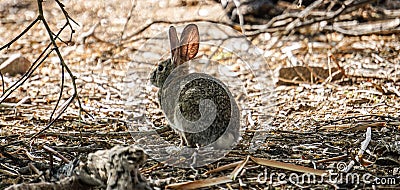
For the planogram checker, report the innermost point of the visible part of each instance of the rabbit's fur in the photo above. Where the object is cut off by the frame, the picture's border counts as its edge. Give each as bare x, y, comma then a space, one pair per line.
181, 95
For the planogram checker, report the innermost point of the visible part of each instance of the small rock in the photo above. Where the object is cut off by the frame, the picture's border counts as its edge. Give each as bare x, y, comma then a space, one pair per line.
14, 64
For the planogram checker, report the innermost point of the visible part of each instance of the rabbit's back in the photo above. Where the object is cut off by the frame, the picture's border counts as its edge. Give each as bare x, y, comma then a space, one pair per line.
205, 87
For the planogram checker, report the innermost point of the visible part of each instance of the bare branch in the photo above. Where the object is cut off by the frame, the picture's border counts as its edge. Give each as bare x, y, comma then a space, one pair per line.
20, 35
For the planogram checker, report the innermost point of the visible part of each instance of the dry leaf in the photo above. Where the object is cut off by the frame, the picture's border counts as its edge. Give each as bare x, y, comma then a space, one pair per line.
286, 166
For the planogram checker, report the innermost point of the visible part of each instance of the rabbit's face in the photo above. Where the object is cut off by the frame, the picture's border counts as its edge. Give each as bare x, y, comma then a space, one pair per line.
161, 73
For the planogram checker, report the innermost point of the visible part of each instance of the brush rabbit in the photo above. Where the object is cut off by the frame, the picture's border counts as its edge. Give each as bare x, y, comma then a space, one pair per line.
197, 105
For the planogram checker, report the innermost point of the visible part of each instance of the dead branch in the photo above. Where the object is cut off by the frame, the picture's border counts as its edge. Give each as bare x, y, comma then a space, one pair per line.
53, 37
116, 168
329, 20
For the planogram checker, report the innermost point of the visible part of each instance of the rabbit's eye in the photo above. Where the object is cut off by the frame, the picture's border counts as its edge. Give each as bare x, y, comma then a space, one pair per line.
160, 68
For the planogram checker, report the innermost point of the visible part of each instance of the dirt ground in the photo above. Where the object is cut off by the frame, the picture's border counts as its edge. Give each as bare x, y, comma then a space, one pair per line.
319, 124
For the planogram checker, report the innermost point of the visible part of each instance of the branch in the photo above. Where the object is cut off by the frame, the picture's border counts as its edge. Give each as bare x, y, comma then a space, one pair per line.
20, 35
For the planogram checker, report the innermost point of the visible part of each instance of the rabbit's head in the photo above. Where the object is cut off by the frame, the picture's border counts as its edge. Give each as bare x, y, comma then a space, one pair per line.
182, 51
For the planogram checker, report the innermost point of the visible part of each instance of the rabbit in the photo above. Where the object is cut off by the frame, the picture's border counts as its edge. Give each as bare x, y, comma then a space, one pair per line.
197, 105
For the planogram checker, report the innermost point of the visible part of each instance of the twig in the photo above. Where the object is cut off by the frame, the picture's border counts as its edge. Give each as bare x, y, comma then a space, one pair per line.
20, 35
241, 19
84, 35
25, 77
393, 26
302, 15
298, 17
63, 65
128, 18
48, 149
363, 116
61, 92
53, 37
175, 22
2, 82
67, 18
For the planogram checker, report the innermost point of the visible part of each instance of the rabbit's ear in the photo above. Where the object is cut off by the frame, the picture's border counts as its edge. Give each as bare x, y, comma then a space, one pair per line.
174, 43
189, 45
